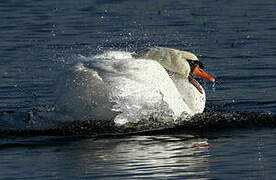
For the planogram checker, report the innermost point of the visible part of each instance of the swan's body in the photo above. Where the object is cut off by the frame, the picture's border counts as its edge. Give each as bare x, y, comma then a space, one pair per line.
117, 86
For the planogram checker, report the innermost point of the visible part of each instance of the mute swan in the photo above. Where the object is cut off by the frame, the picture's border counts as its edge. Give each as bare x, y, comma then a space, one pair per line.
124, 87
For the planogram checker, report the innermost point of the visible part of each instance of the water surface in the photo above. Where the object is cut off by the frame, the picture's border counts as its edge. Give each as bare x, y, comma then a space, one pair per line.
234, 39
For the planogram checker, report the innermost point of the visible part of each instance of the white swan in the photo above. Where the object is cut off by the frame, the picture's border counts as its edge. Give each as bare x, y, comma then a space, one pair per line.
126, 88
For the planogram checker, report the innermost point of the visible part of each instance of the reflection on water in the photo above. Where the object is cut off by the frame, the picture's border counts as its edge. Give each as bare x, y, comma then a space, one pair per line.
228, 154
115, 158
147, 156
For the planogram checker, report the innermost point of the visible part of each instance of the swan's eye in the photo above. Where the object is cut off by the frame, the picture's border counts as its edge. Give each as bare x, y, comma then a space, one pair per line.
200, 64
192, 64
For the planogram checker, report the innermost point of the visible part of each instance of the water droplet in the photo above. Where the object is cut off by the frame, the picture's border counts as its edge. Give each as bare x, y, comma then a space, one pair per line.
214, 86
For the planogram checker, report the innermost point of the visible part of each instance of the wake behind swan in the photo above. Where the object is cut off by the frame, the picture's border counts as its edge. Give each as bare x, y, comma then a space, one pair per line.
127, 87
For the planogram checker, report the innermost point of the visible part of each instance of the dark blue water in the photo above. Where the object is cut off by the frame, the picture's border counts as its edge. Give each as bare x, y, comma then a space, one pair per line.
236, 40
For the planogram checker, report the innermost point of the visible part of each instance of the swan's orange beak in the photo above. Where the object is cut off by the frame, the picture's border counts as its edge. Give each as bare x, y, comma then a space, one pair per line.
201, 73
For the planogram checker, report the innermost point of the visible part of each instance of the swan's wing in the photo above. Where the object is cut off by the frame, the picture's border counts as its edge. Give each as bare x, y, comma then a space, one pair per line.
121, 89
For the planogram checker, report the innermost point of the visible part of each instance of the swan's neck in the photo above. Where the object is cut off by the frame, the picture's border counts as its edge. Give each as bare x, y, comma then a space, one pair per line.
191, 91
196, 84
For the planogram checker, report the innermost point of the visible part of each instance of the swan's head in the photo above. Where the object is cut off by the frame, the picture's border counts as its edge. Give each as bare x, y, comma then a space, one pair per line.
197, 69
183, 63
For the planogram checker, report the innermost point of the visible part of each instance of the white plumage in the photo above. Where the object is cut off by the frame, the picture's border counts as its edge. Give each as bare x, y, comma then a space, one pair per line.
116, 85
